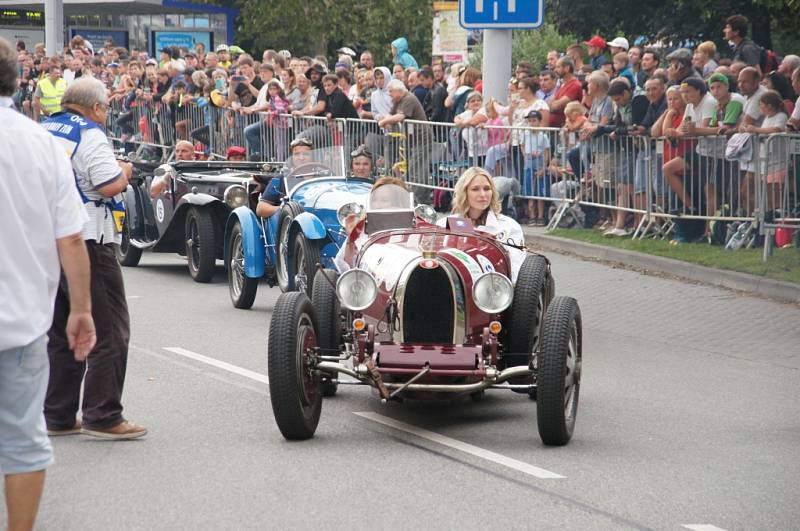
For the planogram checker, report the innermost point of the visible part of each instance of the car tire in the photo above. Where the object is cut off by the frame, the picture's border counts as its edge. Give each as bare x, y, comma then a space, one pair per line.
294, 384
305, 258
558, 371
527, 309
283, 266
201, 243
127, 254
242, 288
329, 329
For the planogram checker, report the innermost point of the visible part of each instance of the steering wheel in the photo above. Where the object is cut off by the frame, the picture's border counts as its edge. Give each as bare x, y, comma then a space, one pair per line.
310, 169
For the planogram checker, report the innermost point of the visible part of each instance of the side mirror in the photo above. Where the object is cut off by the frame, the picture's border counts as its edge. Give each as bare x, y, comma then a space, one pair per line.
349, 209
426, 213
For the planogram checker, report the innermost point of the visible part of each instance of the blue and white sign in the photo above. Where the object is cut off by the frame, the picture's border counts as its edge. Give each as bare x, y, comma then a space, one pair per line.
501, 14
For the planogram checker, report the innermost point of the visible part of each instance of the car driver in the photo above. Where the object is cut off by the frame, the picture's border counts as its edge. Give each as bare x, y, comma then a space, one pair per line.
270, 200
362, 164
184, 150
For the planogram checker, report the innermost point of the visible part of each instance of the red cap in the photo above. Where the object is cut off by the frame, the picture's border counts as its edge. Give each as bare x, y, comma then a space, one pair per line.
597, 41
236, 150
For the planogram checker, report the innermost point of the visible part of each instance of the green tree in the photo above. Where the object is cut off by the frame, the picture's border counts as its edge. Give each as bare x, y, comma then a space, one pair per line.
531, 45
311, 27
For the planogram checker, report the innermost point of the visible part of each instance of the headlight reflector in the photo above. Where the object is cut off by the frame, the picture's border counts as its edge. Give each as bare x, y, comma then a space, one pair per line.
356, 289
492, 292
235, 196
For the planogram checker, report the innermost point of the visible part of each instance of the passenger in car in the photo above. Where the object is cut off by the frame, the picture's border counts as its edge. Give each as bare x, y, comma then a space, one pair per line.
476, 198
270, 200
381, 196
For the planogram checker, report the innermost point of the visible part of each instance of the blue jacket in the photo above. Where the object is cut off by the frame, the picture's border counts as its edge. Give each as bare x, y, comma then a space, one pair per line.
403, 57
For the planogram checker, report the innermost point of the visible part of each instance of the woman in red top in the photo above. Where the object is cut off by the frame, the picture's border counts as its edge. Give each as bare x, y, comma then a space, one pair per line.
668, 123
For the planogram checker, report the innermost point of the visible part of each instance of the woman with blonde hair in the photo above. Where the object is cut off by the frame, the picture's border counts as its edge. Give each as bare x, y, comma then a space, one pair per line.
477, 199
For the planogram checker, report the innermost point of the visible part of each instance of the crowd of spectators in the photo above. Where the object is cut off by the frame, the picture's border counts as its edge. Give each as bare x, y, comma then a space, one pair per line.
601, 94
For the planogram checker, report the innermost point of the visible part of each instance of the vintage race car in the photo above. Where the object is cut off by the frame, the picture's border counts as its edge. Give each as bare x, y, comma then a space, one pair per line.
189, 215
305, 231
427, 312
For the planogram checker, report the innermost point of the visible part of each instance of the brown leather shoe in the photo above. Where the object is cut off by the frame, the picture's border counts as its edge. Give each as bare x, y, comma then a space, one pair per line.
123, 430
76, 429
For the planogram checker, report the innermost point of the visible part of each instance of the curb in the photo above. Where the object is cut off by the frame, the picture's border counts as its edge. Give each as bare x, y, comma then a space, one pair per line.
765, 287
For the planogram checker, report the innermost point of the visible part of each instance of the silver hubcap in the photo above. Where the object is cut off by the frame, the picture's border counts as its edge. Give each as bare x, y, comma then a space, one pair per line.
573, 375
237, 266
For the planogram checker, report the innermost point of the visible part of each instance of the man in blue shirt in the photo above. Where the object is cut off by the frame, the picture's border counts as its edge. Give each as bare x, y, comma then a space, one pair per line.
270, 200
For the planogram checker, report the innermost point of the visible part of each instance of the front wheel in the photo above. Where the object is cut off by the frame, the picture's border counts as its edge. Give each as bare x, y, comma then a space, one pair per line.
127, 254
304, 263
283, 269
559, 371
201, 243
241, 287
329, 330
293, 380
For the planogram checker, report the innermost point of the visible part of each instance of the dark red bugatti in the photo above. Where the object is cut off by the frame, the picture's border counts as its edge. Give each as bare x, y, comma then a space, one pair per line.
422, 312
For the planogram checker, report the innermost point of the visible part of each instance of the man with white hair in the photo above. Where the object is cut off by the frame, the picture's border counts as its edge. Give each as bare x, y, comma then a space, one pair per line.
406, 106
789, 64
100, 179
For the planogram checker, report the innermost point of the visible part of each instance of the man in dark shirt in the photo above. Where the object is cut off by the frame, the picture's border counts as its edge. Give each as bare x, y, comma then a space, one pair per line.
655, 90
680, 67
270, 201
433, 104
245, 83
337, 104
744, 49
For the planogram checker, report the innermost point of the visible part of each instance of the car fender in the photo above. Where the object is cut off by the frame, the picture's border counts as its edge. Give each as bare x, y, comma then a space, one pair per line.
252, 241
310, 224
198, 199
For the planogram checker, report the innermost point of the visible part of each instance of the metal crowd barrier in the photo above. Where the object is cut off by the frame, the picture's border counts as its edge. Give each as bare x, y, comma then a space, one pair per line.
542, 172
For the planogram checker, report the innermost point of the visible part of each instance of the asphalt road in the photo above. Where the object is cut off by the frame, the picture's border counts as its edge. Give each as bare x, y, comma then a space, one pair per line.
689, 416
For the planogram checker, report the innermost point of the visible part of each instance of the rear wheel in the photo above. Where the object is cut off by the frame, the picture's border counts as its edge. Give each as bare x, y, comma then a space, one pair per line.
127, 254
241, 287
329, 323
558, 371
201, 243
294, 383
284, 276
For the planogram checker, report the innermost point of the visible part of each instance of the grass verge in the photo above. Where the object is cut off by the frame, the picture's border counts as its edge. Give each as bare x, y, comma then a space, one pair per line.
784, 264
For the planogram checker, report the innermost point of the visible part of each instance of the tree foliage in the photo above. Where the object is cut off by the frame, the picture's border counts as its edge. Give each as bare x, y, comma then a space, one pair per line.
311, 27
676, 20
531, 45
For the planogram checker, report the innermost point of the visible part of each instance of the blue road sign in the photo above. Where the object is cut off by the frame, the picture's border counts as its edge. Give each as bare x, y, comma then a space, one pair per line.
501, 14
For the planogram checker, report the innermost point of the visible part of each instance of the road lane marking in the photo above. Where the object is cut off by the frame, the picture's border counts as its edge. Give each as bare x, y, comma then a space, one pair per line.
467, 448
702, 527
219, 364
131, 297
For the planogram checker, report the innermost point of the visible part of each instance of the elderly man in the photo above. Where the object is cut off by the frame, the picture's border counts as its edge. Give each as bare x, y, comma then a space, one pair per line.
184, 150
42, 216
789, 64
407, 107
100, 179
680, 67
749, 82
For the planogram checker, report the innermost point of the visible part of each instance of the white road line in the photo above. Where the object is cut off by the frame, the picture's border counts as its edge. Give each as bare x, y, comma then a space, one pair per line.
129, 297
476, 451
218, 364
702, 527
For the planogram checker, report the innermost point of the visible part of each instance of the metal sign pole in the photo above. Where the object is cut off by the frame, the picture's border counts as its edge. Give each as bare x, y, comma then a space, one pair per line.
496, 63
54, 26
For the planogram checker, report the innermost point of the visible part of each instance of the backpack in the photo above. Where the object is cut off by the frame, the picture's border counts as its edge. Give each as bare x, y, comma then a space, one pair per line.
458, 106
768, 60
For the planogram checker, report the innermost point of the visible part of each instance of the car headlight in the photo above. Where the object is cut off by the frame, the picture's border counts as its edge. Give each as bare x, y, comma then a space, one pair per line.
492, 292
235, 196
356, 289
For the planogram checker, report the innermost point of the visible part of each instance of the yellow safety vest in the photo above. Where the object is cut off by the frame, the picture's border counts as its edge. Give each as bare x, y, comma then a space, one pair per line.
51, 95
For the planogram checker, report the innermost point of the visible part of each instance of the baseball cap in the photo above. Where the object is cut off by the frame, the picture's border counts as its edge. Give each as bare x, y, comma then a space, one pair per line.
286, 54
596, 41
113, 65
347, 51
682, 55
151, 62
695, 83
276, 81
222, 47
718, 77
235, 50
620, 42
534, 114
236, 150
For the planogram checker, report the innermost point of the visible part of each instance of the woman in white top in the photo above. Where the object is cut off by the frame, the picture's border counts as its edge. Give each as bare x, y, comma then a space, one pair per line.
518, 109
476, 198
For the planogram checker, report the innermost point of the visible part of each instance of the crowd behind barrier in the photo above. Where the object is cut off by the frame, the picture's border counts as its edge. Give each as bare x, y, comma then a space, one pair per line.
635, 141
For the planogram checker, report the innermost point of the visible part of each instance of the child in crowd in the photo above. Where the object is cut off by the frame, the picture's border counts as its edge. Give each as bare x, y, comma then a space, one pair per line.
536, 148
475, 137
776, 159
276, 123
623, 69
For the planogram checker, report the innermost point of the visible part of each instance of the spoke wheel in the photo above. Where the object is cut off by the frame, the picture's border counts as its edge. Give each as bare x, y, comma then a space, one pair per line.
242, 288
201, 237
283, 267
304, 259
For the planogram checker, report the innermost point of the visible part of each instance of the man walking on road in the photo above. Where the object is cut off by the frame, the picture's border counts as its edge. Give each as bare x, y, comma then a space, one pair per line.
100, 178
42, 217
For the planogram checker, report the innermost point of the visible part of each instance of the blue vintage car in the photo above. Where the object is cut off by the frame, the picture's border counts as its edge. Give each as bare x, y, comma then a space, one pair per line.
286, 247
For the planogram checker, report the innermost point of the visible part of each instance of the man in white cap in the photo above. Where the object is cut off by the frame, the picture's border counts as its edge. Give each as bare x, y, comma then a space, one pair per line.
619, 44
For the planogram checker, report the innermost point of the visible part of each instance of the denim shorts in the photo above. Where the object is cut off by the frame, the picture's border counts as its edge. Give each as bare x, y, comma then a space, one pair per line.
24, 445
640, 180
